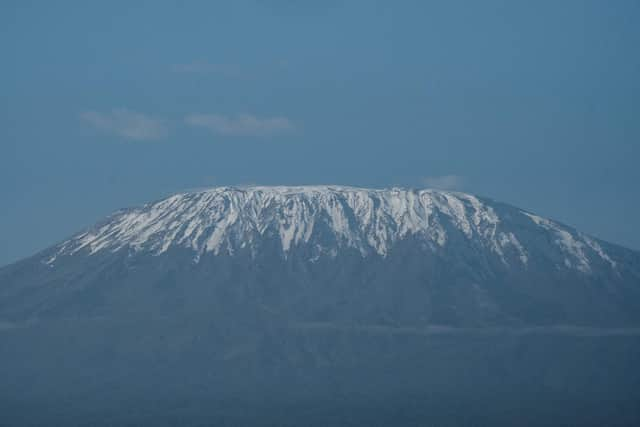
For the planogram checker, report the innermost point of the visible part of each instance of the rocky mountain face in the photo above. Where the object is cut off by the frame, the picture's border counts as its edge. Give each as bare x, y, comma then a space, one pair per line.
322, 305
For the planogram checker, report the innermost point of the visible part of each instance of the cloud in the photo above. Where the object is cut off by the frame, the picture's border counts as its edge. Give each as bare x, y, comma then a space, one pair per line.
240, 125
444, 182
127, 124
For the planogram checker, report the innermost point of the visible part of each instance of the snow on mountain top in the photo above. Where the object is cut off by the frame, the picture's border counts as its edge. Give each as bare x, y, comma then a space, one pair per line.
329, 218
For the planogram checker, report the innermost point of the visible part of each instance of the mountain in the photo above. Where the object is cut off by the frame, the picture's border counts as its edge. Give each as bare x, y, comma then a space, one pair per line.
327, 253
322, 305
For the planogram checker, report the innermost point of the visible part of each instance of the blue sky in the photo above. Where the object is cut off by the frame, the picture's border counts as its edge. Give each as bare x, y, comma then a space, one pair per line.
112, 104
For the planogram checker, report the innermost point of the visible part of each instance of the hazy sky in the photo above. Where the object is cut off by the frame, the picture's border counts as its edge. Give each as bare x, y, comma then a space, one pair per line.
110, 104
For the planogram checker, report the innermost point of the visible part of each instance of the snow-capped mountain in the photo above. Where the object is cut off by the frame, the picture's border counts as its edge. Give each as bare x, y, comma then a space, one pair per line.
337, 253
328, 219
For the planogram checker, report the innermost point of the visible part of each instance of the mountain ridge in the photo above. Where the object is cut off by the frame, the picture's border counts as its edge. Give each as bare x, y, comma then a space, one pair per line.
365, 219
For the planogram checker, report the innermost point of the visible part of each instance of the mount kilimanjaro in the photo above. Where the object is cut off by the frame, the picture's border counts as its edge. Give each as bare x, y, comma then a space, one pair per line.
397, 257
290, 295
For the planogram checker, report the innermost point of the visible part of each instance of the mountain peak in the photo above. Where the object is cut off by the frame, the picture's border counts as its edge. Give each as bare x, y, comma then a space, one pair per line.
326, 219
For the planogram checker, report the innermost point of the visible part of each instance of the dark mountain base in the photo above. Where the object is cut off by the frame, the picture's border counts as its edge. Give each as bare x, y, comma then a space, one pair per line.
185, 371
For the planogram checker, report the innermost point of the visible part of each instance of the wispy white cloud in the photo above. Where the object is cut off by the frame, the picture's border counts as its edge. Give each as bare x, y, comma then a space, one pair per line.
444, 182
127, 124
241, 125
